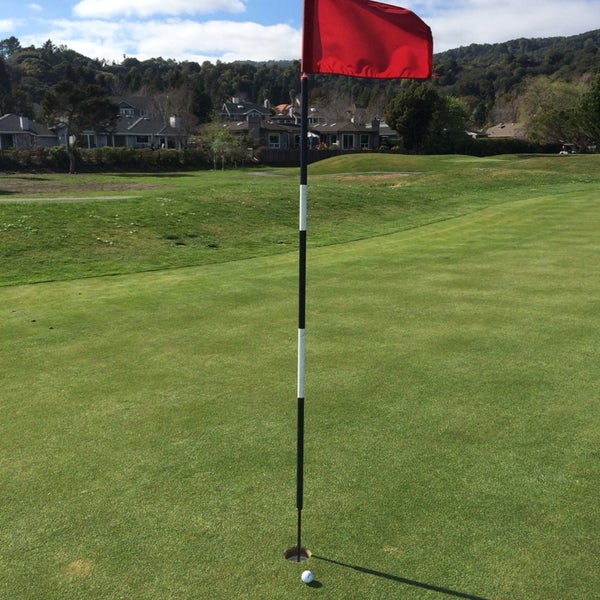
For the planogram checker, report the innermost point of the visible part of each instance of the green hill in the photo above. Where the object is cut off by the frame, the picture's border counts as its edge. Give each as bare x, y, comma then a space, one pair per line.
487, 76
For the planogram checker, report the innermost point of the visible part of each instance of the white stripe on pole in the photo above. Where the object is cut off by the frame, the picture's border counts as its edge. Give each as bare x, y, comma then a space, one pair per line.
303, 206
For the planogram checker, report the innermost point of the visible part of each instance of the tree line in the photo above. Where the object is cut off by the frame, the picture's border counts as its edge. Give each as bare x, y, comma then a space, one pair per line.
550, 85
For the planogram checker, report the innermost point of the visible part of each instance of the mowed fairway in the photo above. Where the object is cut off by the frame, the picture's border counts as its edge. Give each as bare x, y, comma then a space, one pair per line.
147, 444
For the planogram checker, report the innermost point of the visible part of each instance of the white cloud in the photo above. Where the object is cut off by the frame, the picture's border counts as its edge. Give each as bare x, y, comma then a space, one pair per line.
147, 8
36, 7
132, 27
489, 21
225, 40
10, 25
179, 39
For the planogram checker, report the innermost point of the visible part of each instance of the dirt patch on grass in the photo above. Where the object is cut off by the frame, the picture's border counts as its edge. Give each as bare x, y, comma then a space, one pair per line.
78, 569
13, 186
372, 177
63, 199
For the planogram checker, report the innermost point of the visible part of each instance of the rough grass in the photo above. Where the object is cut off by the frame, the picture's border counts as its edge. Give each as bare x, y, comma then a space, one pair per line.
168, 221
148, 437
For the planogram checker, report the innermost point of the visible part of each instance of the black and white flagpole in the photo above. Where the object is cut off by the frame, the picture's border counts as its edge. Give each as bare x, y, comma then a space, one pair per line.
299, 553
302, 299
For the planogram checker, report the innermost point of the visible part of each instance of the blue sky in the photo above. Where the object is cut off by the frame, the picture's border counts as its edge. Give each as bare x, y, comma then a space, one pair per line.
228, 30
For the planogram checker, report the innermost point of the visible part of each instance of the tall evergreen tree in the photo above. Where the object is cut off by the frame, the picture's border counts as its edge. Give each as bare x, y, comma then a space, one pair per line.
77, 107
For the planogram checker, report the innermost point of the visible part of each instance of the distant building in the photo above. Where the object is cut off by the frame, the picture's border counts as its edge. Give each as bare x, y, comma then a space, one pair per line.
240, 110
21, 133
507, 130
348, 136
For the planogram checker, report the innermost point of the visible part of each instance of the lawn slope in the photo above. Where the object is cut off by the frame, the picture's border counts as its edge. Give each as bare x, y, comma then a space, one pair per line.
148, 437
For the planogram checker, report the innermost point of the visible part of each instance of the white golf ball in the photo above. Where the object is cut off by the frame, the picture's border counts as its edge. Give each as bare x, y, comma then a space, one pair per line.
307, 576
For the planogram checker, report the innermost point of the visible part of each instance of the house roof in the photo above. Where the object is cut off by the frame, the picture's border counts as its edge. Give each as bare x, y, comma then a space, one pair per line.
506, 130
385, 131
142, 126
244, 108
14, 124
272, 124
348, 127
281, 109
140, 104
264, 126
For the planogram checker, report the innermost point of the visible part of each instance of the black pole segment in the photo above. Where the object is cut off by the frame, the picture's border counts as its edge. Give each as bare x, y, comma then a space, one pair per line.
300, 471
300, 457
304, 129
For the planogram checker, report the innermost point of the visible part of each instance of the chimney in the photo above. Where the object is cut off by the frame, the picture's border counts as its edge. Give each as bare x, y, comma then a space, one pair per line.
24, 123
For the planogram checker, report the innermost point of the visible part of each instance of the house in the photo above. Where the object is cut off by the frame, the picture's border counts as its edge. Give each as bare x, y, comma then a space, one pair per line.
266, 133
476, 134
387, 135
133, 106
21, 132
135, 132
240, 110
135, 127
349, 135
275, 134
279, 137
285, 114
507, 130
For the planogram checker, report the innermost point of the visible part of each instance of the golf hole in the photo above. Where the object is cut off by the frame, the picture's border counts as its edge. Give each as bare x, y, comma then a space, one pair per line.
296, 554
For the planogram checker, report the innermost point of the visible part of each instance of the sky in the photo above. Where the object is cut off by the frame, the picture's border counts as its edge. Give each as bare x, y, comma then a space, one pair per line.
228, 30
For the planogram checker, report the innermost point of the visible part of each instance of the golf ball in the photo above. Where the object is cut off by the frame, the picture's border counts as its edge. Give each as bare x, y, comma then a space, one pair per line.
307, 576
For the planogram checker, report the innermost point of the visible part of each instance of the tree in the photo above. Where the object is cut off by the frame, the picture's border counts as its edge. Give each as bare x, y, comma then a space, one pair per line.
447, 131
77, 107
411, 112
175, 105
9, 46
224, 146
549, 110
426, 121
590, 112
5, 87
201, 105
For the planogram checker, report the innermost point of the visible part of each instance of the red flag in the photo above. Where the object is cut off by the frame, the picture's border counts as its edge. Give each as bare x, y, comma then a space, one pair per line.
363, 38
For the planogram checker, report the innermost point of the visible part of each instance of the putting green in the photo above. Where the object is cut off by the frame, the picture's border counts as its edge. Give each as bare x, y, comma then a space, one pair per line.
148, 438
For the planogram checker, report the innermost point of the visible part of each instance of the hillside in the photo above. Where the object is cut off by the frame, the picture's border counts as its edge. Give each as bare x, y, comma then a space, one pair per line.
488, 77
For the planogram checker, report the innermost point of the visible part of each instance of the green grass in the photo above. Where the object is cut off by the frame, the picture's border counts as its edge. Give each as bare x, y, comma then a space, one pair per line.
169, 221
148, 441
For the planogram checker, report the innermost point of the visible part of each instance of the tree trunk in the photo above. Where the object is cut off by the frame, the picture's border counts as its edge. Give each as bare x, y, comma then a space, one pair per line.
70, 153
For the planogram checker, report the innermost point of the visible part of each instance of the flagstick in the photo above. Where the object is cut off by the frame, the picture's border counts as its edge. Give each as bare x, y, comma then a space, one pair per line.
316, 48
302, 302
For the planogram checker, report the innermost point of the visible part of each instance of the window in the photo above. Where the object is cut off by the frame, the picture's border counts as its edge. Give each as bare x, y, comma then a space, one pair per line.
364, 140
274, 142
347, 141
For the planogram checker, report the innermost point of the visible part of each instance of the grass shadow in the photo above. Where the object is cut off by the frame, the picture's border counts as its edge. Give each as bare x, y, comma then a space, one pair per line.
403, 580
26, 177
152, 174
